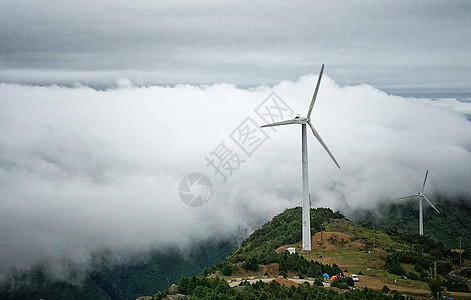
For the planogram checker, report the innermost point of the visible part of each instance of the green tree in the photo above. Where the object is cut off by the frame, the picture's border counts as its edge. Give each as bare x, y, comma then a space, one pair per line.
385, 289
393, 265
227, 269
251, 264
350, 281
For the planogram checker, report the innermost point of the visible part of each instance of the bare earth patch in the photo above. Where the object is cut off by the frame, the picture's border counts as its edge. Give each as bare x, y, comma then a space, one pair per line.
285, 282
334, 241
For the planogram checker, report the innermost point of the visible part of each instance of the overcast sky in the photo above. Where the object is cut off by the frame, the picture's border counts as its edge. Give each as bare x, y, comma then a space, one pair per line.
388, 44
85, 169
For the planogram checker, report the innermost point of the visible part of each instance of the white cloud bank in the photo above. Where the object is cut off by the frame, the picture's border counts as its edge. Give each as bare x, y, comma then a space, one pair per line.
84, 170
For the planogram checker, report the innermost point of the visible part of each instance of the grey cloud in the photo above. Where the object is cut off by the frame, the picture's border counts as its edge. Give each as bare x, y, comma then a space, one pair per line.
384, 44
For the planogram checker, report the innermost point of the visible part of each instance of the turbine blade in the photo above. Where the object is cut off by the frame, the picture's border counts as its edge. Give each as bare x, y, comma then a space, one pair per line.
407, 197
287, 122
425, 180
316, 134
431, 204
315, 92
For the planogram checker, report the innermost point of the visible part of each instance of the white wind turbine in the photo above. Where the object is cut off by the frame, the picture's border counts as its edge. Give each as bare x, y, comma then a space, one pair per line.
306, 213
421, 213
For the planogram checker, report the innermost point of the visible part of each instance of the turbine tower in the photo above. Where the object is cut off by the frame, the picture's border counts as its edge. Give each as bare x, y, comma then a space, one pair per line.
306, 213
421, 212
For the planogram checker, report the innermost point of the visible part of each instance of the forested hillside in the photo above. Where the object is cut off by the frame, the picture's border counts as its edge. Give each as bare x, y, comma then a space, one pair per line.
453, 221
122, 281
404, 264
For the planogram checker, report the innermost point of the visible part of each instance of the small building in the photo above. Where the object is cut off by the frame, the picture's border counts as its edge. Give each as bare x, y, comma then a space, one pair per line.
291, 250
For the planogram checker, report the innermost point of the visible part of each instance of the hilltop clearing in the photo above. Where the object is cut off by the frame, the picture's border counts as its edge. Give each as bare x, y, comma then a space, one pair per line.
384, 261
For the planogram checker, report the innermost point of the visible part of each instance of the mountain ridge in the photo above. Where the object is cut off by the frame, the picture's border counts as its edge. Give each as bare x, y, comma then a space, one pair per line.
383, 258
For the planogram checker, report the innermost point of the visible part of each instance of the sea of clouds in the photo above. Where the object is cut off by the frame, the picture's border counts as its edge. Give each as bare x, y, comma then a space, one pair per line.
84, 170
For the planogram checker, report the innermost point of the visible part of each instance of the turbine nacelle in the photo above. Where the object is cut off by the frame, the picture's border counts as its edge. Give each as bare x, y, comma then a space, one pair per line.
304, 120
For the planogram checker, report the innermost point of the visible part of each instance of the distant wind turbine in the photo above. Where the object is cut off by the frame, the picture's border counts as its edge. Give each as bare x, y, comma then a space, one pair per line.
421, 213
306, 213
